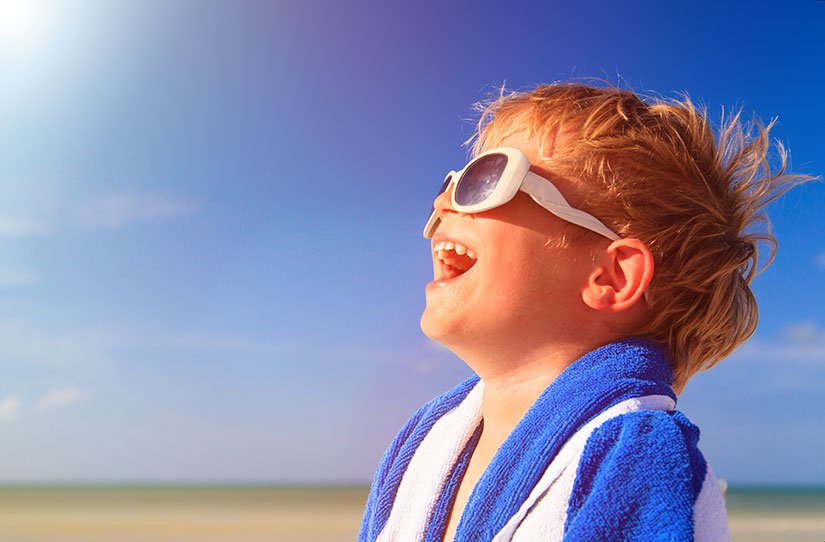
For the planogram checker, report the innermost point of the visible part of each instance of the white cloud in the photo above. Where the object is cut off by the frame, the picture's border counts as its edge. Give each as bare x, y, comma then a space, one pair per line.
214, 342
61, 212
807, 332
800, 342
24, 342
17, 227
60, 398
782, 353
424, 366
820, 260
29, 342
9, 408
119, 209
10, 278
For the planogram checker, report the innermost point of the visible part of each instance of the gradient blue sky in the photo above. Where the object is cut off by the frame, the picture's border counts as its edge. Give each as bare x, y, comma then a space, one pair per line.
211, 262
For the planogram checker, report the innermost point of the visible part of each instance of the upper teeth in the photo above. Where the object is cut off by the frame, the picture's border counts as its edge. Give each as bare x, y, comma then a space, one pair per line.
444, 246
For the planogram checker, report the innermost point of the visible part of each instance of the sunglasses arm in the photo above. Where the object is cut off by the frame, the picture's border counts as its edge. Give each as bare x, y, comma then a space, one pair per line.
548, 196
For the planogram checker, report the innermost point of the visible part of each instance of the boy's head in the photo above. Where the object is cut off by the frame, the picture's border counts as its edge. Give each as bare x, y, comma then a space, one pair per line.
507, 294
653, 170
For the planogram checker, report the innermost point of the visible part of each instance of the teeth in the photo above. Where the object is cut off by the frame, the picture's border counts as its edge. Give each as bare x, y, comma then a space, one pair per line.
442, 249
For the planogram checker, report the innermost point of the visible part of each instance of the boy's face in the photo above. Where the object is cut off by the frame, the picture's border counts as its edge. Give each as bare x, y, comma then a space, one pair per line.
524, 287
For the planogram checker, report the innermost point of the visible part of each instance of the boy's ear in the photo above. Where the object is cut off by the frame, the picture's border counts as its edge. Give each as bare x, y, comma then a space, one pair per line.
620, 275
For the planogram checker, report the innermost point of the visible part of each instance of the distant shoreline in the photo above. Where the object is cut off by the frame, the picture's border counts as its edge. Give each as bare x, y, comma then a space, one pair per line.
735, 488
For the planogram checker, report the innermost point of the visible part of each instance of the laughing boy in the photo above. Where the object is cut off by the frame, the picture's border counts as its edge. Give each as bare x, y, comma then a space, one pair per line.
594, 255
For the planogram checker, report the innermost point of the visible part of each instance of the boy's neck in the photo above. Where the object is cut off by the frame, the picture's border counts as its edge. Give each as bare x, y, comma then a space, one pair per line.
509, 395
507, 398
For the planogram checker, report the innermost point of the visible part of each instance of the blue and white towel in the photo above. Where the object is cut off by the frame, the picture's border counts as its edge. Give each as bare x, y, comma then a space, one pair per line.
601, 455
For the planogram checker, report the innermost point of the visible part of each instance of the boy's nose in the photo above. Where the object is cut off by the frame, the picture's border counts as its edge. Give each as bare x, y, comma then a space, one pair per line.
444, 202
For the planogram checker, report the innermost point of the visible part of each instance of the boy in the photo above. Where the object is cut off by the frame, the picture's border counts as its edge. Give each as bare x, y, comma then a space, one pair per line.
594, 255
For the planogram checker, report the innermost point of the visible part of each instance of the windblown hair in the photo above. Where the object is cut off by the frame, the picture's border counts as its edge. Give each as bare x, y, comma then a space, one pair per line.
653, 169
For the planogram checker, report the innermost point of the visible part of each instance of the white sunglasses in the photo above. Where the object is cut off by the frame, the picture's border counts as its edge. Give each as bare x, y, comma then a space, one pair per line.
492, 178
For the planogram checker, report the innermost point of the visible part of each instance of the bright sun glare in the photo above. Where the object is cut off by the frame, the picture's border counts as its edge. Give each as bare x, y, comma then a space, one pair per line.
17, 21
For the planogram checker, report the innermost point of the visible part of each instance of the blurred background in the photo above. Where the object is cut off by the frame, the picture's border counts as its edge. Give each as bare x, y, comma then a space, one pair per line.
211, 262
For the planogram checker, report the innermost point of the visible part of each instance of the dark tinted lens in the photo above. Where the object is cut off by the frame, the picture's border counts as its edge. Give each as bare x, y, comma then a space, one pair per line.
480, 179
440, 190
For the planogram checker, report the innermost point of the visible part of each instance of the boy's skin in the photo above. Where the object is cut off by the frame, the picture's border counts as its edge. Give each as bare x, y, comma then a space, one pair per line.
531, 304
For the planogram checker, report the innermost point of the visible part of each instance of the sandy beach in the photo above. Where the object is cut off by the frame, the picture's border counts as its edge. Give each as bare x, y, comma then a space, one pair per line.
180, 514
777, 529
241, 514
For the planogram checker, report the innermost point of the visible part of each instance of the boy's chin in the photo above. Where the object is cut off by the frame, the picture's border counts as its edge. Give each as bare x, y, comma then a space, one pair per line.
435, 326
428, 327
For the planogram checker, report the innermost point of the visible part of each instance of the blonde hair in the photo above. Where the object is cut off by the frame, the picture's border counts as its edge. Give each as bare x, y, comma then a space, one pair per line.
653, 169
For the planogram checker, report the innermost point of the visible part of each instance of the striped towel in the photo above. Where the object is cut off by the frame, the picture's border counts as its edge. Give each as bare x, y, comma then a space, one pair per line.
601, 455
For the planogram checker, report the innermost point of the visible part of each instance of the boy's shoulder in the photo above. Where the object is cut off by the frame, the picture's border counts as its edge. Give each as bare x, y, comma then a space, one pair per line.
648, 462
649, 442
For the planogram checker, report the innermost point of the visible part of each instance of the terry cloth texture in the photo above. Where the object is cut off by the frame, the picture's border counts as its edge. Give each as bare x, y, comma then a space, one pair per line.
600, 455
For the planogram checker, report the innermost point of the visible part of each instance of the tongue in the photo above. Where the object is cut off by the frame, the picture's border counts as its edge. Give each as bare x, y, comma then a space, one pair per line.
457, 264
449, 272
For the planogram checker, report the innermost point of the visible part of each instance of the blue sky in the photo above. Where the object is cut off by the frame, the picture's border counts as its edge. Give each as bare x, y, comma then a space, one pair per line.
211, 262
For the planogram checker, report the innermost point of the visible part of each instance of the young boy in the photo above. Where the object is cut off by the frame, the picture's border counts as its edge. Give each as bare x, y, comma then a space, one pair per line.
594, 255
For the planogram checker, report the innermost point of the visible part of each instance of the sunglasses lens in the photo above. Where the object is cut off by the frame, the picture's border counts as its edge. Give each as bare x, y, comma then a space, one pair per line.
480, 179
444, 186
440, 190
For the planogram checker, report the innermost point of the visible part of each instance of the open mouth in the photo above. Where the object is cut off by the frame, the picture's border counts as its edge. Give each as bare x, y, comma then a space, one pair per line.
454, 258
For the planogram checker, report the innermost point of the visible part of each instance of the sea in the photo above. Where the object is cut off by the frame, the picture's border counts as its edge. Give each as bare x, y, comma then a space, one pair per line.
166, 513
